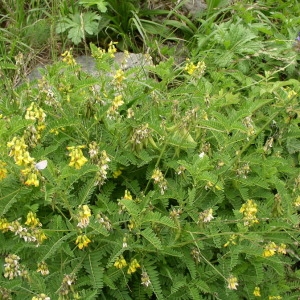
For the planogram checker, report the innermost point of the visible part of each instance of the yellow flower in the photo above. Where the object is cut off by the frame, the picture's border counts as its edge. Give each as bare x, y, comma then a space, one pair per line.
297, 202
249, 210
281, 249
84, 216
24, 159
40, 297
4, 225
82, 241
127, 195
54, 131
120, 262
256, 291
3, 170
68, 58
112, 49
77, 158
206, 216
270, 249
39, 235
131, 225
93, 150
32, 220
133, 266
119, 77
195, 70
117, 173
43, 268
232, 283
291, 93
32, 179
118, 101
231, 240
33, 112
98, 54
112, 111
18, 152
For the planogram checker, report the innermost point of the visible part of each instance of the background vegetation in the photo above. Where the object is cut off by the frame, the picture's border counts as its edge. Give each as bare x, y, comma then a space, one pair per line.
176, 179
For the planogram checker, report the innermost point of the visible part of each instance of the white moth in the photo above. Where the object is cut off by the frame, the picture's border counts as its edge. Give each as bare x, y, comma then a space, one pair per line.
41, 165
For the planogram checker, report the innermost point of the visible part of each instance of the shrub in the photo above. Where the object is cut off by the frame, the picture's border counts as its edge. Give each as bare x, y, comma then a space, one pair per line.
162, 182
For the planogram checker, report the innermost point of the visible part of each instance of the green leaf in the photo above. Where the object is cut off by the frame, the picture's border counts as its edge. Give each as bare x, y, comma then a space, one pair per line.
150, 236
92, 265
78, 24
101, 4
86, 192
53, 247
293, 145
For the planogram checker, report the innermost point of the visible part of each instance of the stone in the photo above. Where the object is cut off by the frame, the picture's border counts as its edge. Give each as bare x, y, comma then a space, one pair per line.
88, 63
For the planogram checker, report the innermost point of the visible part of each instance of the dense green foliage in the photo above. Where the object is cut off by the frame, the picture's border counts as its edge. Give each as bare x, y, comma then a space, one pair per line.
163, 181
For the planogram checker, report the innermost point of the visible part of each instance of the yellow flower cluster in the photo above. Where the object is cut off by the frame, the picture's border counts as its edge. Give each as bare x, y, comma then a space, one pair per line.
290, 93
98, 53
112, 48
249, 210
4, 225
41, 297
175, 213
3, 170
275, 297
12, 268
66, 286
117, 173
32, 220
127, 195
32, 234
119, 77
103, 166
271, 248
145, 279
231, 240
83, 216
131, 225
120, 263
206, 216
256, 292
77, 158
133, 266
112, 112
104, 220
33, 112
43, 268
32, 178
232, 283
38, 235
296, 202
195, 70
82, 241
18, 147
68, 58
33, 132
93, 150
159, 179
18, 152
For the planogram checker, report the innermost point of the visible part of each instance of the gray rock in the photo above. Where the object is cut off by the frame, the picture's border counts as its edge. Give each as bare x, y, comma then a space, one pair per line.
194, 7
88, 64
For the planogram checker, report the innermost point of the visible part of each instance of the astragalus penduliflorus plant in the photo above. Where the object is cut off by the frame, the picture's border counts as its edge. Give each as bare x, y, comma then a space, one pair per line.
157, 182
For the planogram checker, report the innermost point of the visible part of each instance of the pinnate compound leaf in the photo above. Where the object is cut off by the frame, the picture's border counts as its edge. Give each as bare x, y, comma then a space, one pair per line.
150, 236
